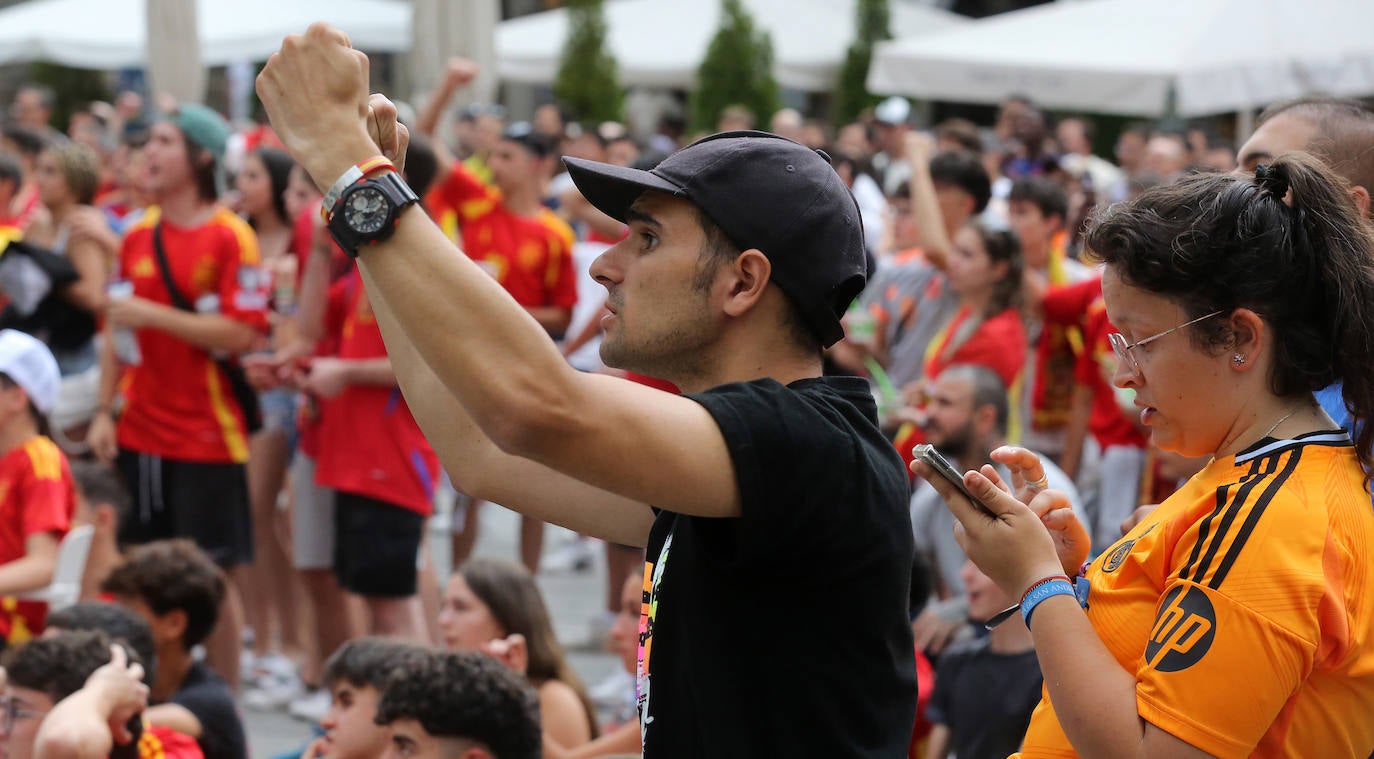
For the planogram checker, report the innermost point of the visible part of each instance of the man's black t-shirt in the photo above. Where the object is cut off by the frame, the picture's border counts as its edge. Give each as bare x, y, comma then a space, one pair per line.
784, 632
985, 699
206, 695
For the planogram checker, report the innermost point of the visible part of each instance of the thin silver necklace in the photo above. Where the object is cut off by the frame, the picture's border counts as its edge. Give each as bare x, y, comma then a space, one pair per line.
1275, 425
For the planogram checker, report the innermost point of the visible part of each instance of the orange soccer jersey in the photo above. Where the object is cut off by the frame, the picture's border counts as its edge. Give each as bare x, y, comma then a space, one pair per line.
1243, 606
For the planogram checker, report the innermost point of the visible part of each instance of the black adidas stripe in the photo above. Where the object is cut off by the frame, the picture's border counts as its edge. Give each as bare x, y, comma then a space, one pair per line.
1233, 552
1227, 511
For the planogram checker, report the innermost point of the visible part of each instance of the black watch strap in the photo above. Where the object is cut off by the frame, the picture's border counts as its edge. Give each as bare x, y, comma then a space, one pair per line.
396, 195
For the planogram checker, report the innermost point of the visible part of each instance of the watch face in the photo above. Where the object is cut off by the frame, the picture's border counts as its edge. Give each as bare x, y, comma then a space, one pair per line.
365, 210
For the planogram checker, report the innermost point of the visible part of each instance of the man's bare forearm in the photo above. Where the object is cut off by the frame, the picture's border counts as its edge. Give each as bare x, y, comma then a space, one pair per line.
479, 468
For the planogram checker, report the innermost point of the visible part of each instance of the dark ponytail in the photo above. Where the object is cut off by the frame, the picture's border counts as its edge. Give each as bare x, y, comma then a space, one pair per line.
1339, 243
1288, 244
1002, 246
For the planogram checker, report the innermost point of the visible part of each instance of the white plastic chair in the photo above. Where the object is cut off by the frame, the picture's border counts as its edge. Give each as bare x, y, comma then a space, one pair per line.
65, 587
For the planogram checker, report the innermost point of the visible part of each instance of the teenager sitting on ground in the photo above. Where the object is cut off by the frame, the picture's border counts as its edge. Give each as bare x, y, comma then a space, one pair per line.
178, 590
78, 696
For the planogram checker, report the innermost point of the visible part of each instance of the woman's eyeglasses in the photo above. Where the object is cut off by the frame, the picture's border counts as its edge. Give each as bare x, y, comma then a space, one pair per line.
1123, 350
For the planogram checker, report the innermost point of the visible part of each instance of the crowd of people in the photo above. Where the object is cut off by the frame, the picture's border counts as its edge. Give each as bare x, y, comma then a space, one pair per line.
257, 430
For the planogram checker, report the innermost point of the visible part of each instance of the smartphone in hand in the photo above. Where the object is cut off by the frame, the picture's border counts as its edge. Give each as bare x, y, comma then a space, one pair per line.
926, 454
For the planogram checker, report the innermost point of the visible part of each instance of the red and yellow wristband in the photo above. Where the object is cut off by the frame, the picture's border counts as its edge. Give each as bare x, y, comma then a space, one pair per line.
355, 173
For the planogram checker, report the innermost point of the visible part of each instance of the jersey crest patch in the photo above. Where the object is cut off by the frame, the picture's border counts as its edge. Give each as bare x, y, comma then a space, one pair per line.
1119, 554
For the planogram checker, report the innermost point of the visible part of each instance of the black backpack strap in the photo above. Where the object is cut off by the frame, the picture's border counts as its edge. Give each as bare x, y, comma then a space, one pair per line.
244, 393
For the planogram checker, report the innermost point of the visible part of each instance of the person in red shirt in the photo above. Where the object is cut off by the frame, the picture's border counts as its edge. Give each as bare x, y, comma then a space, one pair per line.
37, 495
182, 436
984, 269
506, 228
509, 232
374, 458
26, 144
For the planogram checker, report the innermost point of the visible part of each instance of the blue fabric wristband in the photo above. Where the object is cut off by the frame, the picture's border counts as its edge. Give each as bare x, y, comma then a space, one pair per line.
1041, 592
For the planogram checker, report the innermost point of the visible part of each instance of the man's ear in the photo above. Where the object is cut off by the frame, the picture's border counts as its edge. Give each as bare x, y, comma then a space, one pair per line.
750, 274
173, 624
985, 417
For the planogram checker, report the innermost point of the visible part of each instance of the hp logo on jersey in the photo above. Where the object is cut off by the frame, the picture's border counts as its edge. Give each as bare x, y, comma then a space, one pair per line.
1183, 630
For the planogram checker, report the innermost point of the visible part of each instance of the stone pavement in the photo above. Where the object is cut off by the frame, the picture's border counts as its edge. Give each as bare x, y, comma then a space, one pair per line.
575, 600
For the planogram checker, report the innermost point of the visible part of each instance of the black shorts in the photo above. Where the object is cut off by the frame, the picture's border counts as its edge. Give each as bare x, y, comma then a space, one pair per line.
205, 502
376, 546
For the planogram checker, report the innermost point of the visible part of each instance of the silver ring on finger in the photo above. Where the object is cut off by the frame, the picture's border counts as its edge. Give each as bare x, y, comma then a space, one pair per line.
1040, 484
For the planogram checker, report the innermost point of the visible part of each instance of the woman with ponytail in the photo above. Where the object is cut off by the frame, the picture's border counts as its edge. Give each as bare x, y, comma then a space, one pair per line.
1234, 620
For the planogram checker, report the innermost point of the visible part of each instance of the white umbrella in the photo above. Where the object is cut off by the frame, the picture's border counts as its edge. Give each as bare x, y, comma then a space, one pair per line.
110, 34
1142, 57
660, 43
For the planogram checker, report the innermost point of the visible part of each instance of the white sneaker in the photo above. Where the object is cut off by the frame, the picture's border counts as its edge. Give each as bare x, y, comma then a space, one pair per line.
311, 707
274, 694
272, 666
576, 555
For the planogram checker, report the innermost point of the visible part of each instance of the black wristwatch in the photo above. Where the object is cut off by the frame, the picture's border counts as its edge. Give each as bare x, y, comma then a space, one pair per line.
367, 211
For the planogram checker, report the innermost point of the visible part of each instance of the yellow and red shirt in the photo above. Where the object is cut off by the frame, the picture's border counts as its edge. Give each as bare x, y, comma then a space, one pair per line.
1242, 605
179, 404
531, 256
1056, 350
157, 742
37, 495
369, 443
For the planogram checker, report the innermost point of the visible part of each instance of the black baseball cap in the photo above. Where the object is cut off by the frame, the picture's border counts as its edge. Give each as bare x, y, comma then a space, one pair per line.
523, 133
765, 192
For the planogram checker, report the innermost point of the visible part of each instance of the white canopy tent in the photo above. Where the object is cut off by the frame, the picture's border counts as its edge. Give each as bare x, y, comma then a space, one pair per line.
111, 34
1142, 57
660, 43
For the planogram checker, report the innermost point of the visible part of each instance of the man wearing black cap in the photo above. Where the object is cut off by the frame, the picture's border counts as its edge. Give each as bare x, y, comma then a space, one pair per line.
774, 512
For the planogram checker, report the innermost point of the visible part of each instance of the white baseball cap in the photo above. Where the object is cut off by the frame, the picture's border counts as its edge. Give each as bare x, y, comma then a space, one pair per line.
894, 110
27, 361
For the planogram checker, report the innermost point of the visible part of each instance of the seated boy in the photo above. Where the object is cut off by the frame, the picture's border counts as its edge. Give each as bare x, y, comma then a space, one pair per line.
101, 501
985, 688
53, 706
124, 626
178, 588
460, 705
355, 676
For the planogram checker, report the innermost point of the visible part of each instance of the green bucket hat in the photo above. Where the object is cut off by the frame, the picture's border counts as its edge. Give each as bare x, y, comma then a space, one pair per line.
203, 128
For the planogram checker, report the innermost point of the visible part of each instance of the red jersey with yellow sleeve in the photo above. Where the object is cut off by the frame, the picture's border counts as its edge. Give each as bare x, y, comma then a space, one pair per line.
156, 742
178, 403
531, 256
37, 495
1242, 605
369, 443
1108, 422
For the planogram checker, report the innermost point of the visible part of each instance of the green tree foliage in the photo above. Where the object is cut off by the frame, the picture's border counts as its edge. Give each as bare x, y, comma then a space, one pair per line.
75, 88
872, 25
738, 70
588, 84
